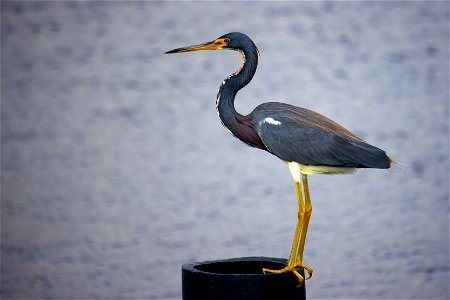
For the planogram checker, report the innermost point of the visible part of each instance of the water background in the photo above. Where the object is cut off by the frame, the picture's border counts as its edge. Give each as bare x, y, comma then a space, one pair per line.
116, 169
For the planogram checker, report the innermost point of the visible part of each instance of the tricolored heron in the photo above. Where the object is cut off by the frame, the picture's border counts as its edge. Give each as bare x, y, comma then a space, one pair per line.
305, 140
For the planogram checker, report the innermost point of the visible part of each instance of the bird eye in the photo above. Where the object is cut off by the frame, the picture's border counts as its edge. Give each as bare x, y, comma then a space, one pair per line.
227, 40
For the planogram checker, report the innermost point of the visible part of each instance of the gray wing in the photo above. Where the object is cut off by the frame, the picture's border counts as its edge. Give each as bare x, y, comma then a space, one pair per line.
292, 137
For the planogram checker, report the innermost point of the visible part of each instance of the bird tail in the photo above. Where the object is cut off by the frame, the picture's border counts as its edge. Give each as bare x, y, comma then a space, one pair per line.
397, 164
365, 155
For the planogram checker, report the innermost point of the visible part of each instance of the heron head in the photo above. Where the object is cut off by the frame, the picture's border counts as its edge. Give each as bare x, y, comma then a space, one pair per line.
233, 41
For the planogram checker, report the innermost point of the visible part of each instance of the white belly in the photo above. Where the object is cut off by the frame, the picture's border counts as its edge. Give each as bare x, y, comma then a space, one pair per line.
297, 169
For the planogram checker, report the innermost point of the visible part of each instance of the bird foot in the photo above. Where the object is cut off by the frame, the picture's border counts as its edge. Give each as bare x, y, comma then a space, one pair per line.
291, 268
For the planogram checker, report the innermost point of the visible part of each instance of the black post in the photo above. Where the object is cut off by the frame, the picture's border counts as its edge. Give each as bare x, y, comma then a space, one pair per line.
240, 279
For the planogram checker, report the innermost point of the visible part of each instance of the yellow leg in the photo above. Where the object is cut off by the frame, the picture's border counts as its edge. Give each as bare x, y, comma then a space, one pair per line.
304, 213
306, 218
298, 230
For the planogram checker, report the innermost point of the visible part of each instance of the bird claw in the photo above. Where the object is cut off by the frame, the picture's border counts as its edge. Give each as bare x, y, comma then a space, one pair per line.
291, 268
308, 269
284, 270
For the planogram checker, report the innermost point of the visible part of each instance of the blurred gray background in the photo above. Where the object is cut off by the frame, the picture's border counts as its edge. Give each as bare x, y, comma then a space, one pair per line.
116, 169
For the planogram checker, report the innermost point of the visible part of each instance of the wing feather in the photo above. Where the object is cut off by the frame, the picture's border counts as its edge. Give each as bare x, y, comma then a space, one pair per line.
309, 138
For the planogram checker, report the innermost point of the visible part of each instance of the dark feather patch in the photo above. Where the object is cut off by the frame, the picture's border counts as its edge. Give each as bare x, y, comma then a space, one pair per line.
309, 138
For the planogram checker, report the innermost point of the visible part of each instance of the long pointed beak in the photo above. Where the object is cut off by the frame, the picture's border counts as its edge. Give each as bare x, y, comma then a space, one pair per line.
214, 45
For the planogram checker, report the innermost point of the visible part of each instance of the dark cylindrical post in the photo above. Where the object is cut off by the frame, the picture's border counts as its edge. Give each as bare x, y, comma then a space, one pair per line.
240, 279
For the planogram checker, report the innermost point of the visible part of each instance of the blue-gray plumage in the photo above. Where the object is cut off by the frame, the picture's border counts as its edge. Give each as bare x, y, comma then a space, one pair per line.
309, 138
307, 141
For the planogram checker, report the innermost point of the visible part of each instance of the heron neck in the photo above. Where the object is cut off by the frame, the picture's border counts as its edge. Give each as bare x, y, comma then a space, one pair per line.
231, 85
